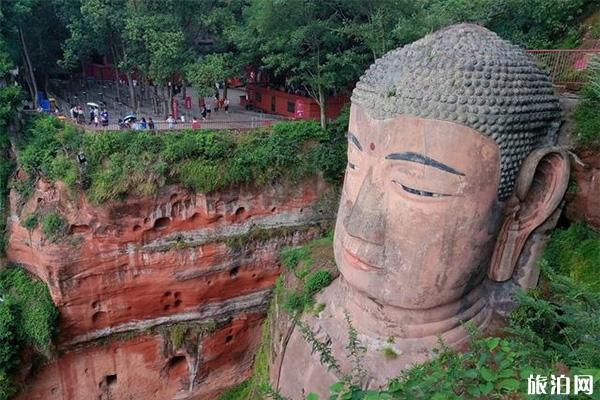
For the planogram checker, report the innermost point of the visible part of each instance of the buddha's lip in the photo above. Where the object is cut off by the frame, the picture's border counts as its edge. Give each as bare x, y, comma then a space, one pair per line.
359, 263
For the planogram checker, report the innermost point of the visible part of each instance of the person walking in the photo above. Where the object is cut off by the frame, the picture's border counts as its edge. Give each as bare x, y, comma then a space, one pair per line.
203, 111
143, 123
195, 123
171, 121
104, 118
208, 110
150, 124
226, 105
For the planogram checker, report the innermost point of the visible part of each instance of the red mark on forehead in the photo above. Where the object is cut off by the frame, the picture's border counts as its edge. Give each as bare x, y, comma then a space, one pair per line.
372, 146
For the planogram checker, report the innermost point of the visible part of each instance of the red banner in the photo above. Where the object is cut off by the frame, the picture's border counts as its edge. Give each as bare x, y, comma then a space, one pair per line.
175, 108
188, 103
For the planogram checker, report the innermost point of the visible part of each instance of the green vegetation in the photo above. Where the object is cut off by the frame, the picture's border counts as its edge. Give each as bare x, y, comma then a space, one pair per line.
30, 222
9, 97
237, 393
257, 385
310, 277
575, 252
389, 353
54, 226
318, 47
28, 318
137, 163
177, 334
587, 113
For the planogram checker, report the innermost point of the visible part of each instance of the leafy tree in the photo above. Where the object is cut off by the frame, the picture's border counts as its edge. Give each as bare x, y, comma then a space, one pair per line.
211, 69
303, 42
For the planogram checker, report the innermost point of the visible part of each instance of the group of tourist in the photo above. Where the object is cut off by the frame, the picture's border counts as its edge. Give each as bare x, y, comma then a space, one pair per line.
97, 117
136, 125
206, 109
101, 118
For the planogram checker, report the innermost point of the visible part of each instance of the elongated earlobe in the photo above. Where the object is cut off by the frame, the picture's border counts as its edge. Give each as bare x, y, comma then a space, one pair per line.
539, 189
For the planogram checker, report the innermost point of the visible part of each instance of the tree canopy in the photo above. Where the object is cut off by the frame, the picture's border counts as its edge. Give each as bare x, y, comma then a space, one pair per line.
320, 47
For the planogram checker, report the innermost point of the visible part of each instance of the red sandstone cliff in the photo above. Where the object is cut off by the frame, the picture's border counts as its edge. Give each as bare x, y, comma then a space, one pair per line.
133, 277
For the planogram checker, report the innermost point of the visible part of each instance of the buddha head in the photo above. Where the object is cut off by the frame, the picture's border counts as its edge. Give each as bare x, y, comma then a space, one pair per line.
451, 168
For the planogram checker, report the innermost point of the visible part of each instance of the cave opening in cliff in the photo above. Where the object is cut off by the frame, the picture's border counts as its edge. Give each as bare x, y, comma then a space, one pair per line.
162, 223
111, 380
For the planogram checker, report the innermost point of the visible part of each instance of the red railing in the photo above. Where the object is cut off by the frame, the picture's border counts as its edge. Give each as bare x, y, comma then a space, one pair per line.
566, 67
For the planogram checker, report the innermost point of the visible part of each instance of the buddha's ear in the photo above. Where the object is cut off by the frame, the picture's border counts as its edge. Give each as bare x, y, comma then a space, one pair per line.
533, 207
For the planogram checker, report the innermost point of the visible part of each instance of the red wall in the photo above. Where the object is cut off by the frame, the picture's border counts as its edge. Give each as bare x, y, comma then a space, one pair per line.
304, 107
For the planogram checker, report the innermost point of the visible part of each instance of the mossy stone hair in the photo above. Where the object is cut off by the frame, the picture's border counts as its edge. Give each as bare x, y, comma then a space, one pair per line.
468, 75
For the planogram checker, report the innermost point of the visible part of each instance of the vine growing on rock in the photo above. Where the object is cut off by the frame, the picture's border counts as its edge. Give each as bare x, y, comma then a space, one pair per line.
28, 319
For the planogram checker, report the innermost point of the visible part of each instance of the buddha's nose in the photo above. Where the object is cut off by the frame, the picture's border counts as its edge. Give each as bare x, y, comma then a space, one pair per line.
366, 219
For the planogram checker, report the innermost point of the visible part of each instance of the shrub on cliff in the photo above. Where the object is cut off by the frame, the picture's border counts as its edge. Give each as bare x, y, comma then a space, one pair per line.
587, 113
575, 252
53, 226
9, 98
28, 318
138, 163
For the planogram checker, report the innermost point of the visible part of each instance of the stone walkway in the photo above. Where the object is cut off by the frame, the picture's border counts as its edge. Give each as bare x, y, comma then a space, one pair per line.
68, 92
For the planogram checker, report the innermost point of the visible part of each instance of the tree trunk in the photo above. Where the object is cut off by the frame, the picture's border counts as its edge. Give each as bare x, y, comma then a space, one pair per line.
169, 100
155, 99
225, 89
323, 107
29, 68
115, 63
28, 79
165, 102
46, 84
131, 91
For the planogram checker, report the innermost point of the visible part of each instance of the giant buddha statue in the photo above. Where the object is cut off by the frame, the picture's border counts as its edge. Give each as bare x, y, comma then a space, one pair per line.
452, 184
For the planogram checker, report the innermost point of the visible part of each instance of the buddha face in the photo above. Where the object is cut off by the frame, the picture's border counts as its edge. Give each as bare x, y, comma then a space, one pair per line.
419, 213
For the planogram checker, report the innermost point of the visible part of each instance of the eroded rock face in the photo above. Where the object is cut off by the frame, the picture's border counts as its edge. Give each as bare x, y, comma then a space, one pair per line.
583, 199
128, 268
144, 367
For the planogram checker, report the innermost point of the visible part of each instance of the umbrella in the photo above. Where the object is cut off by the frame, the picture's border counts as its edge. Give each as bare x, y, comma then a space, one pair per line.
129, 117
94, 105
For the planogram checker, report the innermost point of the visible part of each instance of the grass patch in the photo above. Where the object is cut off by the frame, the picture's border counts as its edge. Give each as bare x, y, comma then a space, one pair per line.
30, 222
139, 163
54, 226
178, 334
587, 113
575, 252
240, 392
389, 353
311, 270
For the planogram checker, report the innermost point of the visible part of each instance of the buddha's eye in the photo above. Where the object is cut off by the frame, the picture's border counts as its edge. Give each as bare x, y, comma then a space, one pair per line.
419, 192
352, 166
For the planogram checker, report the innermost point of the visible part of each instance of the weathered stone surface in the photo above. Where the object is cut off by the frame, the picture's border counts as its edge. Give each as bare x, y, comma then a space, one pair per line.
583, 200
442, 214
145, 368
134, 267
145, 258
